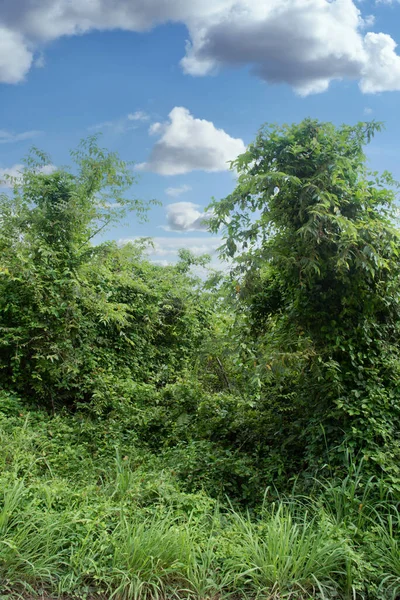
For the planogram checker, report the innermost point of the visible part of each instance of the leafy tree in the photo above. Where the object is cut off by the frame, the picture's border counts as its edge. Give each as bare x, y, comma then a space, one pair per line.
81, 321
316, 281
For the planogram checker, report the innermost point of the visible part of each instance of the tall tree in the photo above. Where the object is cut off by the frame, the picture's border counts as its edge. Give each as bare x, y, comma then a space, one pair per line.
47, 224
81, 320
316, 270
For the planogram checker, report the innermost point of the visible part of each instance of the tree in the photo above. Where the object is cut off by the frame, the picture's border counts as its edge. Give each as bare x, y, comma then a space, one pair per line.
81, 321
316, 273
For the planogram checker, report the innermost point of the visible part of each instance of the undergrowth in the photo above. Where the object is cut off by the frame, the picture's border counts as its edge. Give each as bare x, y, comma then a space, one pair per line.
78, 522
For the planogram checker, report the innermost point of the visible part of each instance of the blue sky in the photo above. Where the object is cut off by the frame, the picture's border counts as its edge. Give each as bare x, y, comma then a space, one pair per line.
72, 67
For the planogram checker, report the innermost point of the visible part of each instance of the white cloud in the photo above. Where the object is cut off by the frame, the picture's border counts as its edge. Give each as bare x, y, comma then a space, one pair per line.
47, 169
139, 115
178, 191
164, 250
46, 20
368, 21
16, 172
169, 246
121, 125
189, 144
8, 137
103, 125
185, 216
165, 246
15, 58
155, 128
305, 43
368, 111
161, 263
382, 69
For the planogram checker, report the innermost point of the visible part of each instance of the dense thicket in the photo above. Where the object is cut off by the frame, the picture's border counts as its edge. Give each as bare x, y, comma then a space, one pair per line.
134, 397
270, 373
82, 322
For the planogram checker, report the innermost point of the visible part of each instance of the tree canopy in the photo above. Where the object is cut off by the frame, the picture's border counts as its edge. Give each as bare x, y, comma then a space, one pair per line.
81, 320
314, 239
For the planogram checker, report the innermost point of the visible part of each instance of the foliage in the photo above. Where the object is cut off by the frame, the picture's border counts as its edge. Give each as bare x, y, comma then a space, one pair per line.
112, 524
143, 410
316, 281
81, 322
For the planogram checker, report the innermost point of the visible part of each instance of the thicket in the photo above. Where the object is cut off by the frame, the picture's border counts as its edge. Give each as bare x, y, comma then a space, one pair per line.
144, 410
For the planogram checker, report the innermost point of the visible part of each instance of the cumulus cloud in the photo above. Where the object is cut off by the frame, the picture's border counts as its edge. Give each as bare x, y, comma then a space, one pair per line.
382, 70
47, 169
46, 20
186, 216
189, 144
9, 137
304, 43
15, 58
156, 128
177, 191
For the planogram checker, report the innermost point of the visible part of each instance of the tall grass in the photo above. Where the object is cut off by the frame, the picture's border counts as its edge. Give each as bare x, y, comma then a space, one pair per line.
34, 548
206, 571
130, 556
351, 501
131, 534
385, 550
147, 557
288, 553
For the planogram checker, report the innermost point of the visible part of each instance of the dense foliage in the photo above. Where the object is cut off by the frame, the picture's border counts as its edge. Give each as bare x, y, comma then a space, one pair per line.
78, 517
317, 277
135, 398
82, 322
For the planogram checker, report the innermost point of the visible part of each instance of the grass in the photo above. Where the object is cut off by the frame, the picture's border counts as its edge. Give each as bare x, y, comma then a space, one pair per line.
386, 552
83, 518
288, 553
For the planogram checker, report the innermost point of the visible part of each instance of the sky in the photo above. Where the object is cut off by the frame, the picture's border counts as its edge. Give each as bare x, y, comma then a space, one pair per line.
180, 87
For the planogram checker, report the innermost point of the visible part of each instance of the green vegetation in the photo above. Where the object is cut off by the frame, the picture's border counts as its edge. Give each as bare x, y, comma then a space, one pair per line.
168, 437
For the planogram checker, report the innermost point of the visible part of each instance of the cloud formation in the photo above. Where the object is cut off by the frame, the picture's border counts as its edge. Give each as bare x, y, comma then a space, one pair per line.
139, 115
15, 58
304, 43
164, 250
9, 137
381, 72
14, 172
185, 216
187, 144
123, 124
178, 191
